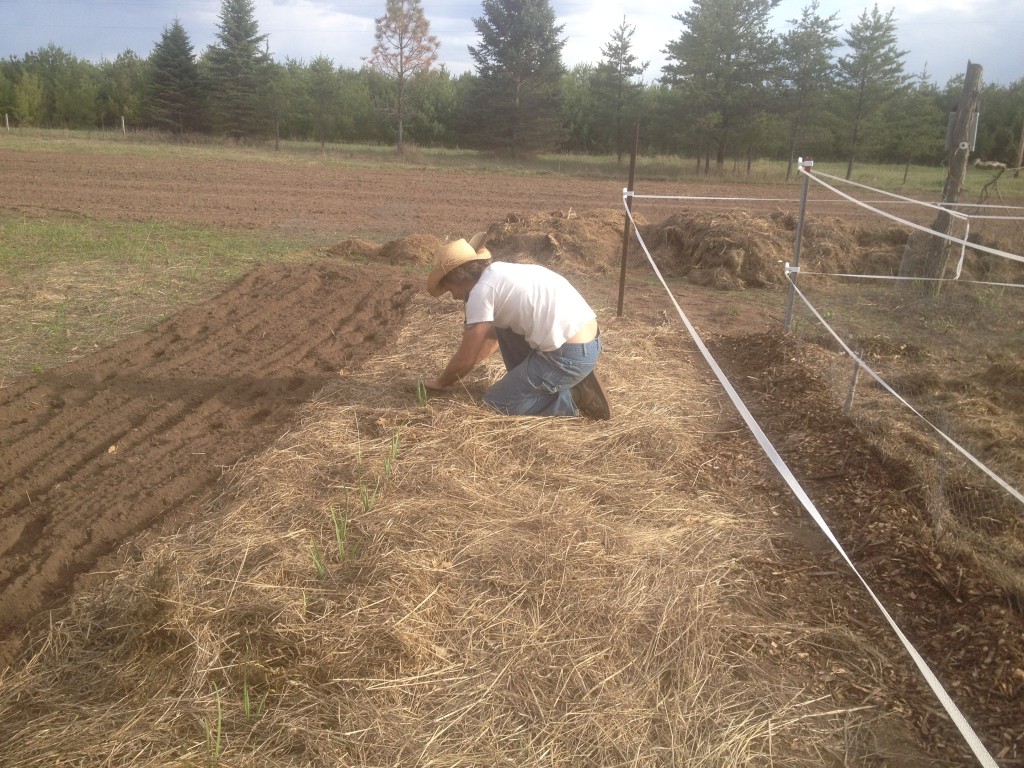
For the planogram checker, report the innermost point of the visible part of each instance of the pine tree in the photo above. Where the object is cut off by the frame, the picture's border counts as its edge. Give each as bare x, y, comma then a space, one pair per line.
616, 88
324, 89
239, 71
871, 74
516, 108
404, 49
723, 63
810, 70
175, 93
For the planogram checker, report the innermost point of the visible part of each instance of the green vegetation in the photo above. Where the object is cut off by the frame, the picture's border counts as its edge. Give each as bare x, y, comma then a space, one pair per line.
913, 179
214, 732
732, 90
340, 523
73, 286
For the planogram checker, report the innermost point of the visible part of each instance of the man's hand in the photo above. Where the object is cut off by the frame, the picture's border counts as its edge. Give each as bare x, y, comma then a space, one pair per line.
478, 341
434, 385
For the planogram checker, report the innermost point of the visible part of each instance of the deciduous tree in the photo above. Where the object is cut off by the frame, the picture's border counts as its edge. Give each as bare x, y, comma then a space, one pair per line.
28, 99
122, 90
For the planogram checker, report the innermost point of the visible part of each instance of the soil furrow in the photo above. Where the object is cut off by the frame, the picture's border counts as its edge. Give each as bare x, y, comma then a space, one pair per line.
139, 435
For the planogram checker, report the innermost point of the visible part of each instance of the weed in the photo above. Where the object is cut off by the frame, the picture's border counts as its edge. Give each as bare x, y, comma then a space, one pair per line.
421, 392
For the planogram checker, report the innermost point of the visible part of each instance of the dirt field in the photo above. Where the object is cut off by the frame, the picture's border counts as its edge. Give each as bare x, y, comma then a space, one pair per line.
137, 439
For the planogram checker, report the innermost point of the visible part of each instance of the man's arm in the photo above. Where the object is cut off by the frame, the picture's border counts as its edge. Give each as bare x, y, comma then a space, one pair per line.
478, 342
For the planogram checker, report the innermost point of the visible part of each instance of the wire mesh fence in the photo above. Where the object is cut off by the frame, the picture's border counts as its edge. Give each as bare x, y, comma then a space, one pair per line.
933, 372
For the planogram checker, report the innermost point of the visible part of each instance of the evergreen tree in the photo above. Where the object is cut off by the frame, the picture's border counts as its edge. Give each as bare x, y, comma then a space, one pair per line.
404, 49
723, 63
871, 74
438, 98
580, 112
916, 126
516, 108
1000, 127
809, 71
616, 87
290, 103
175, 92
239, 71
324, 89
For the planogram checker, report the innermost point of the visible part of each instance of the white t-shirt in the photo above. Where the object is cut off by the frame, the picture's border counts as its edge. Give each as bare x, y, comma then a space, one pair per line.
530, 300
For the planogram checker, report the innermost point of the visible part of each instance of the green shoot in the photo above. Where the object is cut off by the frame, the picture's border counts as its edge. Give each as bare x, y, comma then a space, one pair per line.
213, 734
253, 711
368, 497
340, 531
389, 459
318, 560
421, 392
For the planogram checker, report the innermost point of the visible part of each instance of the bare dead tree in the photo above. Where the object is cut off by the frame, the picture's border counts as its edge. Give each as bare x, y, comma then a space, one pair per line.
404, 49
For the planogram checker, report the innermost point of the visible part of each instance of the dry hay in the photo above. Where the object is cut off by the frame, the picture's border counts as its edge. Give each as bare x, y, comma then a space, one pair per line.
511, 591
413, 250
723, 250
589, 242
727, 250
354, 248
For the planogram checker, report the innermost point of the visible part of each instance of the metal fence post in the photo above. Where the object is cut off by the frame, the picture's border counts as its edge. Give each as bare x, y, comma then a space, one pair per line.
627, 230
805, 165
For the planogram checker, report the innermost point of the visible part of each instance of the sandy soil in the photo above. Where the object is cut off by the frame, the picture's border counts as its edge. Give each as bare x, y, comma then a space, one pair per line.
383, 202
135, 438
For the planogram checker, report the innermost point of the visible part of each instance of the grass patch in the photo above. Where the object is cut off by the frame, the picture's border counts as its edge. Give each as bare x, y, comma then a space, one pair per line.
921, 179
69, 287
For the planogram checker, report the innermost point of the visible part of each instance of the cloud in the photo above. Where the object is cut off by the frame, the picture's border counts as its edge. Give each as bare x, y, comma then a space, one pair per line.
942, 34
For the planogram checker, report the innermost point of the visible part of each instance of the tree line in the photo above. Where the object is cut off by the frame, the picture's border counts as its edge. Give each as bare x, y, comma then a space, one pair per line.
731, 90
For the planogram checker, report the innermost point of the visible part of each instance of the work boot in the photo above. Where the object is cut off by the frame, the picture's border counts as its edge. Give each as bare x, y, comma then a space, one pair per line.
591, 399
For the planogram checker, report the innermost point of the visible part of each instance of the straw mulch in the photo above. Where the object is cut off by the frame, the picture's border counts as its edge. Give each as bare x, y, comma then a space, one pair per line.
509, 591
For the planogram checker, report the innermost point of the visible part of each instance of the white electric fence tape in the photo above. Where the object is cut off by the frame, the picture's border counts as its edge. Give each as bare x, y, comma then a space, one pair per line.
803, 271
979, 750
893, 195
955, 445
958, 240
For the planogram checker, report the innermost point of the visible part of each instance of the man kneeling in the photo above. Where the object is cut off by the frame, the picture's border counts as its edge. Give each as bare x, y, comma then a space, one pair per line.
546, 331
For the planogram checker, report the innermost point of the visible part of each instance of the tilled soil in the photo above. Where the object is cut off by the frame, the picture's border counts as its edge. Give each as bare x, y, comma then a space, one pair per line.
382, 202
136, 436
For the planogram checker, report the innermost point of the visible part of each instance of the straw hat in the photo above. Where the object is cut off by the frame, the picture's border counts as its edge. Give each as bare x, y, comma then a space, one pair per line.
452, 255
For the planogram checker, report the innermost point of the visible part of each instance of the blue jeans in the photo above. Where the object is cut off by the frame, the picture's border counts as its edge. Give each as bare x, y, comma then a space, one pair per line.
538, 383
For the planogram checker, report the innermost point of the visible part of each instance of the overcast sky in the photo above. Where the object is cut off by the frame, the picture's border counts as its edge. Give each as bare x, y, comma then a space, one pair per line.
940, 35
